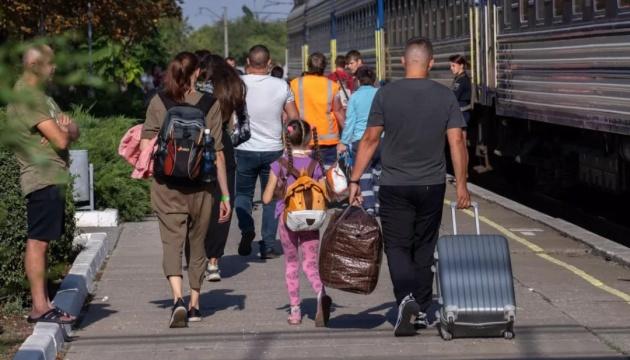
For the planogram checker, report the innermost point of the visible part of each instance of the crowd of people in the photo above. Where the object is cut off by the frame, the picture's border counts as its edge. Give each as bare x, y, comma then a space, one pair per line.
266, 130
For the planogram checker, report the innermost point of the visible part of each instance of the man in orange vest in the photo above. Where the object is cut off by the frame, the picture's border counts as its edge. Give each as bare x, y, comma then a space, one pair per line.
315, 95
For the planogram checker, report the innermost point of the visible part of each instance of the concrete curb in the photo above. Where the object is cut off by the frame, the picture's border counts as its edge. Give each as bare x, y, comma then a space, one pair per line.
600, 245
48, 339
97, 218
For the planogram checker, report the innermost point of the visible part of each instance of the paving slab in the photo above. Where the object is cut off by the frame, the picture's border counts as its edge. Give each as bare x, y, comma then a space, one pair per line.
559, 314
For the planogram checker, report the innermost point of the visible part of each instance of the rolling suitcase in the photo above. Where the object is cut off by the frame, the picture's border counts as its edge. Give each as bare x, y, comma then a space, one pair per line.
474, 284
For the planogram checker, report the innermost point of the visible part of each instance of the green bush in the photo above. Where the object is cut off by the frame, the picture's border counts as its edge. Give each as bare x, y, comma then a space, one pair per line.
13, 283
113, 185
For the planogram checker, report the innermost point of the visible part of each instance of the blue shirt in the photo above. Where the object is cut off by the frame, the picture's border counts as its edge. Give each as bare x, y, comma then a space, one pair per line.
357, 114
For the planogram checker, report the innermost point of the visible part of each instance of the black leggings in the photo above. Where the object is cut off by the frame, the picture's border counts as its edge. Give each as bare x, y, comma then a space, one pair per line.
218, 233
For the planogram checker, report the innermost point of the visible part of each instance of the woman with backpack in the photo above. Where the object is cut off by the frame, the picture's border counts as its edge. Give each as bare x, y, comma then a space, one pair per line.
297, 166
221, 80
188, 126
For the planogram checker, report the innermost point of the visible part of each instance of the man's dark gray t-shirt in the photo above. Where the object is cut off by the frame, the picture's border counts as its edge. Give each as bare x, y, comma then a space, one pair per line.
415, 114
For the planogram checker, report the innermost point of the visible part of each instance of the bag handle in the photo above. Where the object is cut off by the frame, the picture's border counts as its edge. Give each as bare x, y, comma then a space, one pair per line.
475, 207
345, 212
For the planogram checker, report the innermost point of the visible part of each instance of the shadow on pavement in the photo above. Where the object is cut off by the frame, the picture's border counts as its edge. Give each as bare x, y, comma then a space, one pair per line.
211, 302
366, 319
232, 265
94, 313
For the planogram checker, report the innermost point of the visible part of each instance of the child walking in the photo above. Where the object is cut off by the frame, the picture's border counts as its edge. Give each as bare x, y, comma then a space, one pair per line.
304, 244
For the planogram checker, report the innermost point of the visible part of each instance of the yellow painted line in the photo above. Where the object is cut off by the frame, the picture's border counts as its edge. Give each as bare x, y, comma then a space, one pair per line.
542, 253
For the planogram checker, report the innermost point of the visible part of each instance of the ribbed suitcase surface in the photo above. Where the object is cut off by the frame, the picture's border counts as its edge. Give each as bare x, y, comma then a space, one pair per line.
475, 286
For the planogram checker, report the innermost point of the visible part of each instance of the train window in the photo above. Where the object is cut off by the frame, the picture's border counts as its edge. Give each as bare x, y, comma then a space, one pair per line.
449, 19
600, 5
624, 3
434, 22
540, 9
426, 20
507, 10
442, 20
577, 7
558, 8
457, 19
524, 10
465, 23
417, 19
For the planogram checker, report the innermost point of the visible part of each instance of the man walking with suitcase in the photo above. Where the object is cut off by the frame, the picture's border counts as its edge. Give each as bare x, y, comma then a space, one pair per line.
417, 114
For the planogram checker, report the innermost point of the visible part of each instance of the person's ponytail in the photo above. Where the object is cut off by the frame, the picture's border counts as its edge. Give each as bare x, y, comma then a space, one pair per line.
177, 80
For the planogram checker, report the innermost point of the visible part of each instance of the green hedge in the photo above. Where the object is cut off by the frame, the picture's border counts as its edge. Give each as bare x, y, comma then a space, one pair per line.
113, 186
13, 283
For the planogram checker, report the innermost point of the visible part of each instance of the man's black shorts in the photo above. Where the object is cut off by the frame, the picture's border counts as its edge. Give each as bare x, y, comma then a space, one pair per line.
45, 210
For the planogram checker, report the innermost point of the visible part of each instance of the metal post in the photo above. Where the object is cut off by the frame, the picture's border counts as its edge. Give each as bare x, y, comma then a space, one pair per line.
90, 65
91, 186
226, 45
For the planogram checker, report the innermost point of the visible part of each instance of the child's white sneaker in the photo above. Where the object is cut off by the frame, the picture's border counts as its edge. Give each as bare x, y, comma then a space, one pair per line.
295, 315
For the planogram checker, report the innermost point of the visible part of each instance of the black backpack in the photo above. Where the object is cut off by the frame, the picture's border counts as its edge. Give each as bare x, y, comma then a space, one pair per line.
184, 156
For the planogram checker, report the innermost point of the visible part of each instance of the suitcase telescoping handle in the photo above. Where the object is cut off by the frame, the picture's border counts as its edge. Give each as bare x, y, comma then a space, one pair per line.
475, 207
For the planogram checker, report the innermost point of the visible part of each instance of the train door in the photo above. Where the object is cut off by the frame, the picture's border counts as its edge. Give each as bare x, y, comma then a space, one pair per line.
483, 40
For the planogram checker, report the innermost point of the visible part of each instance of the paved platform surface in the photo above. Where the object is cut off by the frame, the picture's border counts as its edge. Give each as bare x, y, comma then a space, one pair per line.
571, 305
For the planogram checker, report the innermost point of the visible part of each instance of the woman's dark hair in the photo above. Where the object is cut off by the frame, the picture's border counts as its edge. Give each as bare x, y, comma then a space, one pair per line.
178, 75
298, 133
277, 72
317, 64
203, 56
229, 88
458, 59
366, 75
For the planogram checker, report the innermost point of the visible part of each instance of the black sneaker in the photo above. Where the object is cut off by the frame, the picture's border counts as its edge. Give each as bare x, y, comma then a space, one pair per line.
425, 321
407, 312
194, 315
179, 316
268, 253
245, 246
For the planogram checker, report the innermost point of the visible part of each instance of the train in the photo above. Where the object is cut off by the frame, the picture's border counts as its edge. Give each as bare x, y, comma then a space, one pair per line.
551, 78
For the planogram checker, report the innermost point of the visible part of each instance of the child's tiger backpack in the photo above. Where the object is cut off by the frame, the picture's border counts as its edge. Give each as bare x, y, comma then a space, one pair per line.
305, 202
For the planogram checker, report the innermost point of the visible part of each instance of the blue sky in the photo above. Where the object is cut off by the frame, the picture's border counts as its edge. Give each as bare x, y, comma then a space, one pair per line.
195, 19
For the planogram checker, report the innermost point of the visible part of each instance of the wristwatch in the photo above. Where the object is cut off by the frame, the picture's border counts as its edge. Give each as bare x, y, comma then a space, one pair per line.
353, 182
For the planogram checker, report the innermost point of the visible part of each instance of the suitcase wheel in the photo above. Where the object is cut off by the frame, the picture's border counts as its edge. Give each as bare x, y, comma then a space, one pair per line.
508, 335
445, 334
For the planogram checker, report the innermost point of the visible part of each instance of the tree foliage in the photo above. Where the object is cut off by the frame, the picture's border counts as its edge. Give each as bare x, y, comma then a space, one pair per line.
244, 33
127, 21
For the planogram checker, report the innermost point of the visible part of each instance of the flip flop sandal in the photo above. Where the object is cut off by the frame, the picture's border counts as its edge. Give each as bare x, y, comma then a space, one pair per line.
64, 313
51, 316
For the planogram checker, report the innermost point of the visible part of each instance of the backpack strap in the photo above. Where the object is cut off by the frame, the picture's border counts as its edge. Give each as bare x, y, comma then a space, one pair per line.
205, 103
284, 163
167, 101
311, 168
343, 88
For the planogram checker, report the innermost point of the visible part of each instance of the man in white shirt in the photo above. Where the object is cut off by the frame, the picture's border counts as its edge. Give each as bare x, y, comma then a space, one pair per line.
267, 98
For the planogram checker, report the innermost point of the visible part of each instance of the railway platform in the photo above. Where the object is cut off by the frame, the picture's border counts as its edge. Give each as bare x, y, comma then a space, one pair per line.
572, 303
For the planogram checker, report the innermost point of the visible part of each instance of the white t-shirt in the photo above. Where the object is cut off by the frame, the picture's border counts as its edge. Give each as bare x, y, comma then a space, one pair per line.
266, 98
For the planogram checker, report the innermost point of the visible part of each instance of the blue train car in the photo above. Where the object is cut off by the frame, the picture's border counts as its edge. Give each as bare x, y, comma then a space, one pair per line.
543, 70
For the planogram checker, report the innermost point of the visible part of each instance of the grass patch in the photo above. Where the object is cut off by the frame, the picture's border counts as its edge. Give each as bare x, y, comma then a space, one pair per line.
14, 329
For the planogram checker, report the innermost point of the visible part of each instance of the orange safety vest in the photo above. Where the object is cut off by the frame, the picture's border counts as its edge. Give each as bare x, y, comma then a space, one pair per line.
314, 97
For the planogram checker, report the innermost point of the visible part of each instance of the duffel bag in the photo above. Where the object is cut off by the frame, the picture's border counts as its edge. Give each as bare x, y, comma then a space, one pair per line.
351, 251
